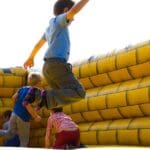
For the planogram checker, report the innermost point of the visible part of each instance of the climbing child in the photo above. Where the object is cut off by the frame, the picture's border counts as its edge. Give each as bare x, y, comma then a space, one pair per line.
20, 118
66, 130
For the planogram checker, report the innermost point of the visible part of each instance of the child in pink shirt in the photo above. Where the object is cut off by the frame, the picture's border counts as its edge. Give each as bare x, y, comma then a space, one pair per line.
67, 131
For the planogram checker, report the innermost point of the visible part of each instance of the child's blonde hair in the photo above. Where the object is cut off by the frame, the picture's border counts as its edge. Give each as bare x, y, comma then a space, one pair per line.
34, 78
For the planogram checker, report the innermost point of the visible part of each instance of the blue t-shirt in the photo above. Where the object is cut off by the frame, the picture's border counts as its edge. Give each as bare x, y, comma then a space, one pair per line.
57, 36
26, 95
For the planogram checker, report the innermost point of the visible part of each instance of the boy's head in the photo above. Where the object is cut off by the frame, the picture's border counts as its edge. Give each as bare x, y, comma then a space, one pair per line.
6, 115
34, 79
62, 6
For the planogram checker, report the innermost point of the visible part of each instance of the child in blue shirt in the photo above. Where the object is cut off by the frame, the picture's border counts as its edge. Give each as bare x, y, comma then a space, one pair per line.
65, 88
20, 118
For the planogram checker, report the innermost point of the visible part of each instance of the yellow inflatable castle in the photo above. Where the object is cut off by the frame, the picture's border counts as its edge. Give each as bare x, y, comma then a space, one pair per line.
116, 110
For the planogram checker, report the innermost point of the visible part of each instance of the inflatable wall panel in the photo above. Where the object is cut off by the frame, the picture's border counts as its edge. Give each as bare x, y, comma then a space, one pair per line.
116, 110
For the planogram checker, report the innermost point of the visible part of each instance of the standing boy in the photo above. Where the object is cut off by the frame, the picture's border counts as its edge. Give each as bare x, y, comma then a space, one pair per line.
58, 73
22, 112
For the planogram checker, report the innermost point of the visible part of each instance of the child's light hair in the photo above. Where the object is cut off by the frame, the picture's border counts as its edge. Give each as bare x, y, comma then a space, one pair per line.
34, 78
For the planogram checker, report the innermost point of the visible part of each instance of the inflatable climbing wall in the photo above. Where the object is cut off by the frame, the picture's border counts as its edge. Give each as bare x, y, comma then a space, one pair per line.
116, 110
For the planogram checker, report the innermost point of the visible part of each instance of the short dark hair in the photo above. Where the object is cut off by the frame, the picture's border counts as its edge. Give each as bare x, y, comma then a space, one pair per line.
57, 109
7, 113
61, 4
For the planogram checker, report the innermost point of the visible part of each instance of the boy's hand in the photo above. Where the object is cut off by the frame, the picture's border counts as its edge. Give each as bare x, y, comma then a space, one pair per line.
29, 63
37, 118
37, 108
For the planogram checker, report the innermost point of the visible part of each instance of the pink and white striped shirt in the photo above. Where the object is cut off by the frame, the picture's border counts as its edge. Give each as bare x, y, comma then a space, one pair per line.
60, 122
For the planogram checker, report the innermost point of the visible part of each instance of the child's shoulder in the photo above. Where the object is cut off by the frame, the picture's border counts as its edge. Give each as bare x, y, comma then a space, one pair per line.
24, 88
30, 87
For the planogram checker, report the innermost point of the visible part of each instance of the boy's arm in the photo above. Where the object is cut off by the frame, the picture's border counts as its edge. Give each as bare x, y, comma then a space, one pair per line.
75, 9
48, 136
30, 98
14, 97
48, 142
33, 113
30, 61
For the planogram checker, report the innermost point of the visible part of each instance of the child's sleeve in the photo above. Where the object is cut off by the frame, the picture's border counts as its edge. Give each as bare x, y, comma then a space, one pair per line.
62, 20
43, 37
30, 97
43, 101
